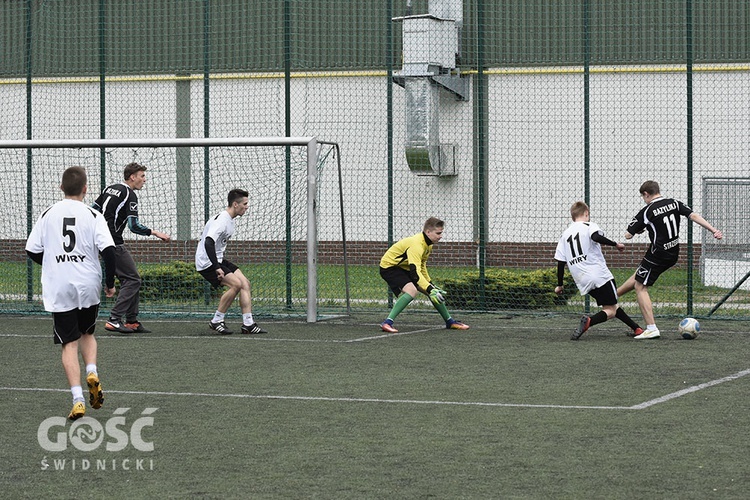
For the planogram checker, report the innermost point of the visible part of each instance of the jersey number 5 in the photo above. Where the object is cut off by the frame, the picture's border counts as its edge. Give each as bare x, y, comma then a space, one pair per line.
67, 232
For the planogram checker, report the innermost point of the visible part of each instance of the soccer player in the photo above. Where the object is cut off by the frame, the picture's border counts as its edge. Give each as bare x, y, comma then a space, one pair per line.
211, 264
661, 218
66, 241
404, 268
580, 248
119, 204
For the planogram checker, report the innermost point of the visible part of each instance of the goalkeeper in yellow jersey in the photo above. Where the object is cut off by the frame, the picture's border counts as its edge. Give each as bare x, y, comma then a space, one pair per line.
404, 268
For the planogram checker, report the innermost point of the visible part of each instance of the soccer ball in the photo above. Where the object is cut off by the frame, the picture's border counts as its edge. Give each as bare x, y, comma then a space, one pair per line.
689, 328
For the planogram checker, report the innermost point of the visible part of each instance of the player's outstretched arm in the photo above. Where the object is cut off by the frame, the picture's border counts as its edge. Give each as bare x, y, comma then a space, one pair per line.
705, 224
160, 235
603, 240
135, 226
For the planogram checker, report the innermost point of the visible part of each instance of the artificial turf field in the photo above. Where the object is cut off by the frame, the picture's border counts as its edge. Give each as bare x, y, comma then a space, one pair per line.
508, 409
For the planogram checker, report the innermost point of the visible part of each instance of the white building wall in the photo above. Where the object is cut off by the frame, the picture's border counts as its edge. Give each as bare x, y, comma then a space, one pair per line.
536, 147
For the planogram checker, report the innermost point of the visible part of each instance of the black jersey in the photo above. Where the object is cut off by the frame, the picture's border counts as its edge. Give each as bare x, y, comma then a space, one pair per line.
661, 218
119, 204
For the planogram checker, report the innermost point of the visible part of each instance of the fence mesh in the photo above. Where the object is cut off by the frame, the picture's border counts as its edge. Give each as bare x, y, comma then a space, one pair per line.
522, 107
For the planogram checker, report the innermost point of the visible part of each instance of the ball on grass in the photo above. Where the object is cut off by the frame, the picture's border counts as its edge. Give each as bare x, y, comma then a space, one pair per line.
689, 328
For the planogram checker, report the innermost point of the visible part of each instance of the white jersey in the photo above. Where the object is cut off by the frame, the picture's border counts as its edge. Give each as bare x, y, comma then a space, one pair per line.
71, 235
219, 229
583, 256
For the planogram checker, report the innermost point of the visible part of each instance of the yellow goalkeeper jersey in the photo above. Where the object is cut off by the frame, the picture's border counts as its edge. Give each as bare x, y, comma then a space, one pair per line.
411, 254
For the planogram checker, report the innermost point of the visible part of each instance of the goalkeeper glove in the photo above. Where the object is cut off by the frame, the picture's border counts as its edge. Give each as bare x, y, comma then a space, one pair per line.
437, 296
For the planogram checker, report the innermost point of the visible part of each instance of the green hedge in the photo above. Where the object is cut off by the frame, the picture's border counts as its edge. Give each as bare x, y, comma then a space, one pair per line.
506, 289
174, 280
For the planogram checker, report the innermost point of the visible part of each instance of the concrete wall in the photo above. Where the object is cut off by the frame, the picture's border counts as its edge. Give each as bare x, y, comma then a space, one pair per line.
536, 140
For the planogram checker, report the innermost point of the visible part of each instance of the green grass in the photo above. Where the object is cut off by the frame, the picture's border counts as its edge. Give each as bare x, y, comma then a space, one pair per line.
508, 409
368, 292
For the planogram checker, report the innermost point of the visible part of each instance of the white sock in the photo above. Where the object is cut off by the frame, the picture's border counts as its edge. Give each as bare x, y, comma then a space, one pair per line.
247, 319
91, 369
77, 393
218, 317
651, 327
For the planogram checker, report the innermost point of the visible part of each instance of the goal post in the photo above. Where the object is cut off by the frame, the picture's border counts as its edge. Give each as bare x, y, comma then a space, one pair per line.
265, 166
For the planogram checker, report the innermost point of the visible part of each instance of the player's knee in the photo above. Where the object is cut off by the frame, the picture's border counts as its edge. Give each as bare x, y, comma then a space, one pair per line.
237, 285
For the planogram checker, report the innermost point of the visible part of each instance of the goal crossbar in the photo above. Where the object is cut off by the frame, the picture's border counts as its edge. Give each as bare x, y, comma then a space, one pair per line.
164, 143
311, 144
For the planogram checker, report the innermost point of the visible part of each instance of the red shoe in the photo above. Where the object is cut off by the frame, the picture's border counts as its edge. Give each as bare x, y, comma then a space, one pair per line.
387, 327
635, 332
582, 327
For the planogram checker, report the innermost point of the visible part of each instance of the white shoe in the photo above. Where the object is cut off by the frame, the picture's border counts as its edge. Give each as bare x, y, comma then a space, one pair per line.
649, 334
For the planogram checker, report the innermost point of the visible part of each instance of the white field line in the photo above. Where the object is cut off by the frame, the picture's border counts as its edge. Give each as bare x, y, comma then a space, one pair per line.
387, 335
324, 398
640, 406
688, 390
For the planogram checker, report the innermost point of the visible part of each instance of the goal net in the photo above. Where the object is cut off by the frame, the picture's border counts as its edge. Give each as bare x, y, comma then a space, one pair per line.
294, 201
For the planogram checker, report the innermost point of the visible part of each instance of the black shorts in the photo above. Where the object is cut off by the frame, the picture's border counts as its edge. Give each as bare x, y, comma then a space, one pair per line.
210, 274
68, 326
396, 277
605, 295
650, 269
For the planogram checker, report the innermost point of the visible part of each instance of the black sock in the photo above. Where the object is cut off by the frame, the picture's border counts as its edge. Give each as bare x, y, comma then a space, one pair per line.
623, 316
597, 318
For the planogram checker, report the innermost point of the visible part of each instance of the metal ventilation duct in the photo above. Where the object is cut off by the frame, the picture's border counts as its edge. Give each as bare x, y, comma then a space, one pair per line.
430, 44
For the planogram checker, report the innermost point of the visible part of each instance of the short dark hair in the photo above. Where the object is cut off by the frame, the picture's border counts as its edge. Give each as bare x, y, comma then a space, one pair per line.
577, 209
73, 181
433, 223
236, 195
650, 187
132, 168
